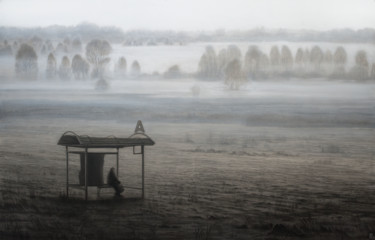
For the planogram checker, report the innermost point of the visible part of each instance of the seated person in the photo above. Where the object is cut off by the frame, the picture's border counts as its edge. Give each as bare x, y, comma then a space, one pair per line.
114, 182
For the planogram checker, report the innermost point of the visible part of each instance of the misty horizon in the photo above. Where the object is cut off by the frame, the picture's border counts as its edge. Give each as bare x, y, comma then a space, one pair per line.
208, 31
190, 16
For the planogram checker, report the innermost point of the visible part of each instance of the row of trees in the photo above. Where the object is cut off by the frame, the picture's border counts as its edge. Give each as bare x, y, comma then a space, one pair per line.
47, 46
229, 64
43, 47
96, 58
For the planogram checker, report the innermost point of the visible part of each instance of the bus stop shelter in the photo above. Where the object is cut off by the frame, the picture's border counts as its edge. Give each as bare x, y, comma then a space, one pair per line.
92, 151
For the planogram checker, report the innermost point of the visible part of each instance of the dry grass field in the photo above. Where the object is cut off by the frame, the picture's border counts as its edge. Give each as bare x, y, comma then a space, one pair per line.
209, 175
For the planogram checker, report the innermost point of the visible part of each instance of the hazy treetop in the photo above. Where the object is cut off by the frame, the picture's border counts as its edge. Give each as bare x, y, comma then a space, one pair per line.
177, 14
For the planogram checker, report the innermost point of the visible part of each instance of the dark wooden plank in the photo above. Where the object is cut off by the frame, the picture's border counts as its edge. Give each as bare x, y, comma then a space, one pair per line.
82, 152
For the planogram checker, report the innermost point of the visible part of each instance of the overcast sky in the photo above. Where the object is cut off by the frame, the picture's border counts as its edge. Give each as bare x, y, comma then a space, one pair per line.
192, 14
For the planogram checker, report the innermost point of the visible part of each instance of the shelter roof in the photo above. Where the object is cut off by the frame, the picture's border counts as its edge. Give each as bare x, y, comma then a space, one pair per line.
72, 139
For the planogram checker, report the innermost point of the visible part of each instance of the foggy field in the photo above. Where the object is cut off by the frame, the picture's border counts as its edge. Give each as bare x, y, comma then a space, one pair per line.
262, 114
275, 160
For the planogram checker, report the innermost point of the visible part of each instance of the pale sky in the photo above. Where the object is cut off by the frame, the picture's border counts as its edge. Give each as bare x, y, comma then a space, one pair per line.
192, 15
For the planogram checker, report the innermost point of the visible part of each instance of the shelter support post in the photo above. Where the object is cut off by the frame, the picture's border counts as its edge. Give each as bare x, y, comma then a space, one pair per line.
67, 172
86, 174
143, 171
117, 161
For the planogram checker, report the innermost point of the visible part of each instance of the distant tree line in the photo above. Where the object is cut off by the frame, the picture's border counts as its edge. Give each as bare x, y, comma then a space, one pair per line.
366, 35
90, 61
91, 65
87, 31
229, 64
154, 38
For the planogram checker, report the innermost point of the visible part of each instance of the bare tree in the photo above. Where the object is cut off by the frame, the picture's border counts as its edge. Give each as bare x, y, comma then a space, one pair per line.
173, 72
97, 52
306, 59
207, 67
286, 59
233, 53
316, 59
212, 62
275, 59
26, 62
233, 75
203, 65
65, 69
135, 69
327, 61
372, 75
299, 63
328, 57
51, 67
120, 67
222, 61
339, 61
264, 66
252, 62
361, 69
80, 67
299, 57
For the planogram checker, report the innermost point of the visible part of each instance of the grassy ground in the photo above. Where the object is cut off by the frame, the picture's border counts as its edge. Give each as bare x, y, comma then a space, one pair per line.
203, 181
289, 161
